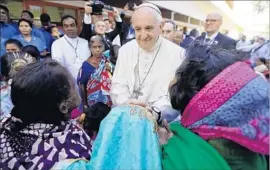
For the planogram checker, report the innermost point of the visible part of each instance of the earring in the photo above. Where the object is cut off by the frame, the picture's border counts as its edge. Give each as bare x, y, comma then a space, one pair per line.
63, 107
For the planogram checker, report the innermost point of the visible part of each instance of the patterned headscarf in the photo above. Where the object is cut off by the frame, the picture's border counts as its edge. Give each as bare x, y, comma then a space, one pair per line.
40, 146
234, 105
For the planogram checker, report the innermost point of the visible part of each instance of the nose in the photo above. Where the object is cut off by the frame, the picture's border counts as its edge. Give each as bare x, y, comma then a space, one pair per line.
143, 35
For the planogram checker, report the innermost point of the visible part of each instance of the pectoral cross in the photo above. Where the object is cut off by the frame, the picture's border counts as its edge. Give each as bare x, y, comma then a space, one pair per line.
136, 93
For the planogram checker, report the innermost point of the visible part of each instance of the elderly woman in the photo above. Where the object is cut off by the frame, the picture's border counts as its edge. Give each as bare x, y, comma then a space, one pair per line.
27, 38
225, 113
11, 63
94, 77
38, 132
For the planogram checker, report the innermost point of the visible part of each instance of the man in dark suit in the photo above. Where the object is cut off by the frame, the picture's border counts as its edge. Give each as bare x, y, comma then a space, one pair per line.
212, 34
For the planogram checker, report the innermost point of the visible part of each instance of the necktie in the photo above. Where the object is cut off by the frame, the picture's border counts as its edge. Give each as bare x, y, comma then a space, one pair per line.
207, 40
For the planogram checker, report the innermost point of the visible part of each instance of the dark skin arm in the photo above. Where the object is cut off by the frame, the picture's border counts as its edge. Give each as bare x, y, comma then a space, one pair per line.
84, 96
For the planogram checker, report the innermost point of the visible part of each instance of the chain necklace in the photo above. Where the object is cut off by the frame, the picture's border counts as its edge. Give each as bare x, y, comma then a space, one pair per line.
137, 92
74, 48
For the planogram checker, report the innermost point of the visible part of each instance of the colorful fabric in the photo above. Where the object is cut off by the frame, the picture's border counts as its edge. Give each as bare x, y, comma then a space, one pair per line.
235, 106
187, 151
5, 100
40, 146
237, 156
99, 85
127, 139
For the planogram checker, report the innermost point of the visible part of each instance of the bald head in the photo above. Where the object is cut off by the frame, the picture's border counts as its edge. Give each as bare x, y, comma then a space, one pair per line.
147, 23
212, 23
216, 16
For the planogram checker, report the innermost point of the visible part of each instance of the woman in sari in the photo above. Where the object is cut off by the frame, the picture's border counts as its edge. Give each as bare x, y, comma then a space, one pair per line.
94, 77
225, 113
38, 133
11, 63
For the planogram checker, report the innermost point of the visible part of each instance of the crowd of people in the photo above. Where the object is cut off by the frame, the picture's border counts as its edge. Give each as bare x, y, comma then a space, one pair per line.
131, 93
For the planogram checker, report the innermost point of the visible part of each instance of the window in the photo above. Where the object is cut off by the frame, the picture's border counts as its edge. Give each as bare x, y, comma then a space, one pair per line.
15, 9
181, 17
36, 10
56, 13
194, 21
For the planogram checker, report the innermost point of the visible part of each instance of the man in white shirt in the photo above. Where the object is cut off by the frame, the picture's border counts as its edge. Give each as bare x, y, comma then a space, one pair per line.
146, 66
212, 35
242, 44
70, 50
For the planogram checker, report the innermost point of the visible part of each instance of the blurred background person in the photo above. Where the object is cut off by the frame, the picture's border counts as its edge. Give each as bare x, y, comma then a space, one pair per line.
32, 50
212, 35
13, 45
6, 29
55, 33
11, 63
242, 43
194, 33
261, 50
100, 27
30, 17
168, 30
178, 37
70, 50
45, 26
94, 78
27, 38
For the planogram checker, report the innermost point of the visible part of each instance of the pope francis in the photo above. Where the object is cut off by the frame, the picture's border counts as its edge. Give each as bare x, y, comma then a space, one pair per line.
146, 66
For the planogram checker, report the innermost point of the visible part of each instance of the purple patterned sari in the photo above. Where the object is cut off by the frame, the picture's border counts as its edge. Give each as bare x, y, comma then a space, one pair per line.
40, 146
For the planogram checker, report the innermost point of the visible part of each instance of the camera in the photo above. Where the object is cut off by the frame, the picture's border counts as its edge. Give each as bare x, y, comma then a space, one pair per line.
130, 5
98, 6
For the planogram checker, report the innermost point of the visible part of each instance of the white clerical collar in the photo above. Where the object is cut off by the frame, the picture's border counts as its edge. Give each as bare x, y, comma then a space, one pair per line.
212, 37
156, 46
71, 39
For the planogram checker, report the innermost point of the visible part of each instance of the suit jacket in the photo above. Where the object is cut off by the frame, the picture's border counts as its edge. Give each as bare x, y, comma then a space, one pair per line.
186, 42
87, 33
222, 40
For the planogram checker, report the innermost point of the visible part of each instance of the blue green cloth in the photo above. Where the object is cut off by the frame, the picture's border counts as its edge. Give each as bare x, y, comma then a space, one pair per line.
127, 139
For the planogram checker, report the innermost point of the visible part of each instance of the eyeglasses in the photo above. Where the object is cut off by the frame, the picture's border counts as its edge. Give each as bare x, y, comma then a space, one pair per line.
211, 20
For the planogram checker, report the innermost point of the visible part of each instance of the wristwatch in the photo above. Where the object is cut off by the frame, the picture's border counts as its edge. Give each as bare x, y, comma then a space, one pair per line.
158, 112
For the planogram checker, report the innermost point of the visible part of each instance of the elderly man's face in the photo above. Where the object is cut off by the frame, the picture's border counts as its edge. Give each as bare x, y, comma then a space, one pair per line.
212, 23
147, 28
168, 31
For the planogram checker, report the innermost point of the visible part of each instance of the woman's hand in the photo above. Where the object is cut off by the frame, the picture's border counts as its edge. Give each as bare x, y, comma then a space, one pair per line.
108, 67
164, 133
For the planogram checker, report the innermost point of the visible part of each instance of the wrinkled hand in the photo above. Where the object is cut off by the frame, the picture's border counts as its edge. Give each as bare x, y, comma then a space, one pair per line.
164, 133
140, 103
87, 8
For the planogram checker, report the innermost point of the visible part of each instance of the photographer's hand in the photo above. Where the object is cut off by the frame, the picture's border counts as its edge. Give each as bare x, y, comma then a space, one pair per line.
116, 15
87, 8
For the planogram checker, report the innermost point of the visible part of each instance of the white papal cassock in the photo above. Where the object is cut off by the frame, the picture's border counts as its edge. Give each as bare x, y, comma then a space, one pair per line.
128, 74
